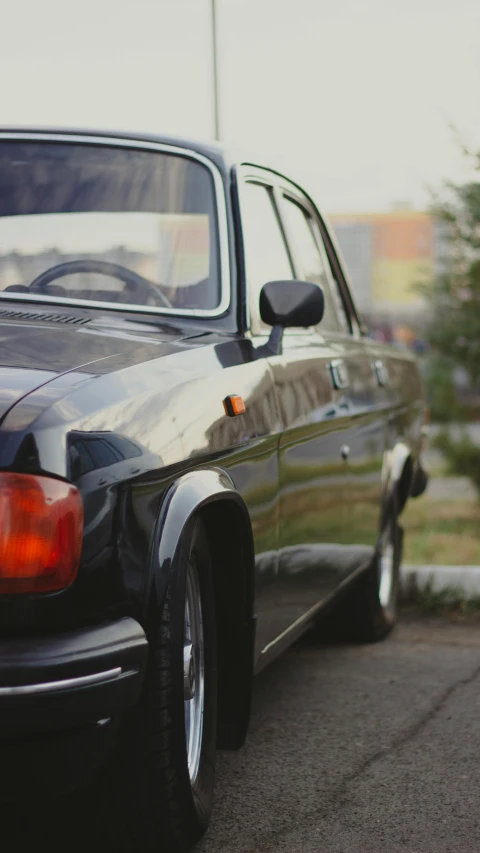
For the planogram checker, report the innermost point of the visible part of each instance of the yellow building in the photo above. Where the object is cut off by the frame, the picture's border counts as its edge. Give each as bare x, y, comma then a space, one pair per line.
387, 256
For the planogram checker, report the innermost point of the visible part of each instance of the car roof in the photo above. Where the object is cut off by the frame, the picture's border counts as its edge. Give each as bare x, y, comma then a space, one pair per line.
224, 156
211, 150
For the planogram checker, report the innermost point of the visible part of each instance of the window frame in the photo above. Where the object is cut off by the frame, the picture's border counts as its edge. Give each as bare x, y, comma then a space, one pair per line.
289, 196
221, 225
282, 186
295, 195
255, 175
337, 271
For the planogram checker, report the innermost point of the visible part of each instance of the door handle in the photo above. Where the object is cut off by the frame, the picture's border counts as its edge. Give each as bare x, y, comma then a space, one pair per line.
380, 372
339, 374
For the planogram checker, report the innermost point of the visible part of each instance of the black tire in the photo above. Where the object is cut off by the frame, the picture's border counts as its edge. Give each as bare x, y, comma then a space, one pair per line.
168, 812
367, 613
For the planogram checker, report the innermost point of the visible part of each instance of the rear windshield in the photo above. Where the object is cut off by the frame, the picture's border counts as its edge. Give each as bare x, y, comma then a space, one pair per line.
109, 224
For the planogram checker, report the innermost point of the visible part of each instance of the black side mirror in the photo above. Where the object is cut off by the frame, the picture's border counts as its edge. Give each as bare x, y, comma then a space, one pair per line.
289, 303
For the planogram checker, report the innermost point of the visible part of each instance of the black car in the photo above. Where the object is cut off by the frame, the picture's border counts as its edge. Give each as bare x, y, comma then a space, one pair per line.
201, 457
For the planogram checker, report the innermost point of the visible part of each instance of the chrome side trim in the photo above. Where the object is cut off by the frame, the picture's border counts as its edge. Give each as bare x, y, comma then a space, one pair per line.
52, 686
221, 206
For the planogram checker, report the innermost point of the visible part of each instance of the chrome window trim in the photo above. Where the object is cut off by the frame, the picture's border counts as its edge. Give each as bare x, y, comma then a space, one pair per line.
64, 684
296, 196
247, 173
221, 210
280, 186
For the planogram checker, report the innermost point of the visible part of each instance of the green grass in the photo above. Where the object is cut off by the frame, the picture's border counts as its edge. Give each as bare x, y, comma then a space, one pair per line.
450, 601
442, 532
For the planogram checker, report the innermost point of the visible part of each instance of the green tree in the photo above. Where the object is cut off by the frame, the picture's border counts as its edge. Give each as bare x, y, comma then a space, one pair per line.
454, 330
454, 327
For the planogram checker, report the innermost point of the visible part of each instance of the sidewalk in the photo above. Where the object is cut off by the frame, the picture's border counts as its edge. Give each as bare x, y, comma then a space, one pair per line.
463, 579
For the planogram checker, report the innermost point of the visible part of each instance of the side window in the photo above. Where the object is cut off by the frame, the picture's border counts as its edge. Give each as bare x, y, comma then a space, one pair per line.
301, 228
266, 255
336, 289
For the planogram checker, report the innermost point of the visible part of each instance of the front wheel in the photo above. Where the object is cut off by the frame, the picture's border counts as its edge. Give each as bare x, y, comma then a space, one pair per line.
169, 762
368, 611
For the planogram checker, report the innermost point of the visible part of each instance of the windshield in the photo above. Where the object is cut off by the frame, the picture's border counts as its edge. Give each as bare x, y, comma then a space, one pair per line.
109, 224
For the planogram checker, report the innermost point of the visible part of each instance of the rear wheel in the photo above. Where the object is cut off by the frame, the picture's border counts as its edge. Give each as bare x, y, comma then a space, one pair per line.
368, 611
169, 762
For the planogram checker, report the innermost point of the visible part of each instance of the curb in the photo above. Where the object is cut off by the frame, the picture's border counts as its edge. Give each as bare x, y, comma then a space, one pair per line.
463, 579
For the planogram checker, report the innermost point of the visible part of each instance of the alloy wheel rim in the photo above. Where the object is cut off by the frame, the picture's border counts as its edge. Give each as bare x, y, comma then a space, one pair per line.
387, 569
193, 671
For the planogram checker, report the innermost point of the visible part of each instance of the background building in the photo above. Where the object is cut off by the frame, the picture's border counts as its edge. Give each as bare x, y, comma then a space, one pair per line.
387, 256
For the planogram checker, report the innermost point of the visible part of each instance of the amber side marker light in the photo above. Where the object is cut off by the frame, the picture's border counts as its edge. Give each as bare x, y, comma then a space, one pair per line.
234, 405
41, 532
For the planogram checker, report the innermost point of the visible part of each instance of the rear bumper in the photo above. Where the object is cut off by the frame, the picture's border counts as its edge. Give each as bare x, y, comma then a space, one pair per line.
52, 684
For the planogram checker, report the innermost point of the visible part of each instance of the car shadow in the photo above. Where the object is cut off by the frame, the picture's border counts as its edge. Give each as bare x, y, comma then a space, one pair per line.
282, 751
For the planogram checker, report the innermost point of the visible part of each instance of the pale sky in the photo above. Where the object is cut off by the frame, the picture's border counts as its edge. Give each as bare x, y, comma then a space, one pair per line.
357, 95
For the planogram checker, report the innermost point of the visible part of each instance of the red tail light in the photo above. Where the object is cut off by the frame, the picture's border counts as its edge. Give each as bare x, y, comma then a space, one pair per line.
41, 531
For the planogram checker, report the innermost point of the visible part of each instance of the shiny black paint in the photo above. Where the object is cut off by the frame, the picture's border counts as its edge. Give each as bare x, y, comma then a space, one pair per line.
143, 387
145, 394
121, 645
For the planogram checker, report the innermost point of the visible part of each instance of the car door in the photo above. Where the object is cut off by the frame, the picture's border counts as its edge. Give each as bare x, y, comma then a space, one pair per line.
312, 472
266, 258
366, 392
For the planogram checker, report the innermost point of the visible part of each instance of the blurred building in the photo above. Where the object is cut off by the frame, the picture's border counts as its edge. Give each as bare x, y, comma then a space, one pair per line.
387, 255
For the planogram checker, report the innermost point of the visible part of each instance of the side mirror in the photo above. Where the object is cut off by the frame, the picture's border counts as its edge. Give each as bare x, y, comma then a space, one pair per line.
288, 303
291, 303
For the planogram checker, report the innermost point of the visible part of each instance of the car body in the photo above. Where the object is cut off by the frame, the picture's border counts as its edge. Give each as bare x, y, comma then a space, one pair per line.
128, 397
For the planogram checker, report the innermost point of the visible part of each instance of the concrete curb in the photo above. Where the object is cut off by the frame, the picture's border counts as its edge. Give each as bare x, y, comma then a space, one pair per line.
465, 579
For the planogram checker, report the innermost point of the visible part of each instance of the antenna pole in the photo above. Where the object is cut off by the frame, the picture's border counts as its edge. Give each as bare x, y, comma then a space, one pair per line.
216, 105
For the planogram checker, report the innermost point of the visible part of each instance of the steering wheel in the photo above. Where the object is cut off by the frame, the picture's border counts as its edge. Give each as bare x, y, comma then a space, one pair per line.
131, 279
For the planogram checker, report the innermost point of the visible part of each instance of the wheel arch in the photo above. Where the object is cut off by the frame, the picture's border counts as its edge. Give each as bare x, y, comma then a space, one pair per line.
211, 495
398, 473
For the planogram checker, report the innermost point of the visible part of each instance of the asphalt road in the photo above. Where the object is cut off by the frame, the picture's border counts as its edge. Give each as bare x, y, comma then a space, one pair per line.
360, 749
352, 749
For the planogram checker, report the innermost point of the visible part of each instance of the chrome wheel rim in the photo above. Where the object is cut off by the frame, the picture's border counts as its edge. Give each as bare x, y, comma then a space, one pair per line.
387, 569
193, 671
